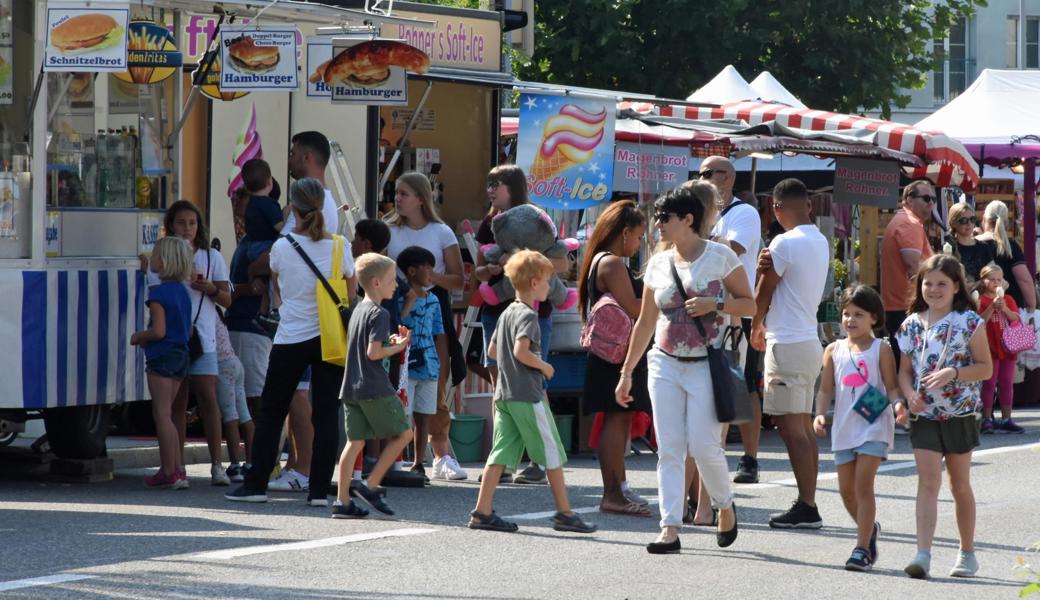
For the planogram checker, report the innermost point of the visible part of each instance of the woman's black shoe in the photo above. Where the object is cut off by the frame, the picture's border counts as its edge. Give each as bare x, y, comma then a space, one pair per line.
726, 538
664, 547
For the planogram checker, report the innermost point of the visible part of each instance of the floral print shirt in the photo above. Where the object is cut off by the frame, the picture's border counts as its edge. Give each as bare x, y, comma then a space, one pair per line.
947, 341
676, 333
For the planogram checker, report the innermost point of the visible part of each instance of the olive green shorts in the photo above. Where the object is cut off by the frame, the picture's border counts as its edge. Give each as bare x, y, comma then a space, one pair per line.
955, 435
375, 419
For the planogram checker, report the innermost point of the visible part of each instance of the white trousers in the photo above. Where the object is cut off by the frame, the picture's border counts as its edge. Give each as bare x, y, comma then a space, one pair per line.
685, 422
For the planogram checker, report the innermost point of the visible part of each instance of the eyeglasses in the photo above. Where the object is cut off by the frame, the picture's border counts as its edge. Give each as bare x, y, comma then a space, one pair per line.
707, 173
966, 220
928, 198
493, 185
663, 217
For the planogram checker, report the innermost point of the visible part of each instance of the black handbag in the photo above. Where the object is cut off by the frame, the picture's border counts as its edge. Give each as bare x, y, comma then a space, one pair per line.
718, 365
195, 351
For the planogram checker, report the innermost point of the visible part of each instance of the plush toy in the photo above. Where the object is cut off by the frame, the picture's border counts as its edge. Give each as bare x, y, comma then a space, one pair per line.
526, 227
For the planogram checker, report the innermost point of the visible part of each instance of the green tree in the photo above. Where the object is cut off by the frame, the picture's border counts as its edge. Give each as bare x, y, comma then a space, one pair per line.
844, 55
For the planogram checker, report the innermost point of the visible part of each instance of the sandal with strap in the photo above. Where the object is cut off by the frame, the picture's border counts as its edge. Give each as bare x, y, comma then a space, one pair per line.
492, 522
714, 519
631, 509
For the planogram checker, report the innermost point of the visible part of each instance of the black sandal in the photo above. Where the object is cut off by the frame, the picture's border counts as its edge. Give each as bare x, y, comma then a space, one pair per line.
492, 522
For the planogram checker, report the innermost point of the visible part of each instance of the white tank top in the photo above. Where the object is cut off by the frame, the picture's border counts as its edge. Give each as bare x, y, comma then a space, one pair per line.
852, 372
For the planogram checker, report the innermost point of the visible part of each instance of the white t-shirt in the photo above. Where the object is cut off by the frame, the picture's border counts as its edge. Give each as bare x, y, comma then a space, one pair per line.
743, 226
329, 210
435, 237
299, 309
800, 256
676, 332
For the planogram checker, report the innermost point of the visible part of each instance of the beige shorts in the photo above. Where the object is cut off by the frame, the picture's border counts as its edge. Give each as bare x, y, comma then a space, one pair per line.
790, 377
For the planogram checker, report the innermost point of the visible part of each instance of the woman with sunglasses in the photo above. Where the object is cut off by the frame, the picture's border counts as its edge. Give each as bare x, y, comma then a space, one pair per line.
972, 253
682, 322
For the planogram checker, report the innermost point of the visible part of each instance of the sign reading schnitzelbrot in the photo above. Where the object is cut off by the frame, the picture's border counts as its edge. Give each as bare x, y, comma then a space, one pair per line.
86, 39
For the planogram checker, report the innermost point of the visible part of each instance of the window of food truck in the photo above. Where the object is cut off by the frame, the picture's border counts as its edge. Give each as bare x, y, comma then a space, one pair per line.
104, 142
16, 47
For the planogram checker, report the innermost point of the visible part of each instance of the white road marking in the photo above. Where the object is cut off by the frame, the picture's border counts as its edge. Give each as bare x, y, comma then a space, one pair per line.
310, 544
18, 584
898, 466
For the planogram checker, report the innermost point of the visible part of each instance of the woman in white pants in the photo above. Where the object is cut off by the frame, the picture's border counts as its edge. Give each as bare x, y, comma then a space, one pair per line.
680, 382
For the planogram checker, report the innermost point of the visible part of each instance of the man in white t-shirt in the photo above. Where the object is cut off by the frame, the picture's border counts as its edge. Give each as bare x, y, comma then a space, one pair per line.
309, 157
740, 226
794, 272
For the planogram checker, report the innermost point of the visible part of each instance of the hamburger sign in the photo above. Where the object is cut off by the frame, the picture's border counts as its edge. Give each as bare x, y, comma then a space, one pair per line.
258, 58
86, 39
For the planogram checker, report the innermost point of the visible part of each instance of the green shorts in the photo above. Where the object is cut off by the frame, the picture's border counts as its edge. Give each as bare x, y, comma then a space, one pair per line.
530, 425
375, 419
955, 435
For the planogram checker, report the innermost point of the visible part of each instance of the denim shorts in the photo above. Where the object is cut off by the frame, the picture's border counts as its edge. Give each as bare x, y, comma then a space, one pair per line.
205, 365
173, 364
879, 449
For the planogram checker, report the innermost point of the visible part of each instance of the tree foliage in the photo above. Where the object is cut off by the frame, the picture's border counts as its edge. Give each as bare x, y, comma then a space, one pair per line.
843, 55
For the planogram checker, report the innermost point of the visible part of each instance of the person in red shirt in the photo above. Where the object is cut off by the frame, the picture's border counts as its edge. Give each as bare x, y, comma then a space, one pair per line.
999, 310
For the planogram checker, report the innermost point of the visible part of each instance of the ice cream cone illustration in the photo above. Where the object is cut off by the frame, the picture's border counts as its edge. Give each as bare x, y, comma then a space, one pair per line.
247, 147
569, 138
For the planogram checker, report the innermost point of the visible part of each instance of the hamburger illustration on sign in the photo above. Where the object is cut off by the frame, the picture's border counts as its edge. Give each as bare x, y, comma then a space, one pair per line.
211, 85
258, 58
86, 39
371, 72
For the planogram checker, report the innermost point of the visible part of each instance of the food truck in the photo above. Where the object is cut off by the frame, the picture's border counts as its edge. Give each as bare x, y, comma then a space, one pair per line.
97, 136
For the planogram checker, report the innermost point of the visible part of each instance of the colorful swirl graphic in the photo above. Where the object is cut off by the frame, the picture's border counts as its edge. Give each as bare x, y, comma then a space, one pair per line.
573, 132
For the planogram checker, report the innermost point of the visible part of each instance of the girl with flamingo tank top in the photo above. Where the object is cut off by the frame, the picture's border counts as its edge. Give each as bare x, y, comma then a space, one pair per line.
853, 370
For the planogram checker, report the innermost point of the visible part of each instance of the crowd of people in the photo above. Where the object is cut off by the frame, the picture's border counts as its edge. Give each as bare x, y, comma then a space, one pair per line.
247, 342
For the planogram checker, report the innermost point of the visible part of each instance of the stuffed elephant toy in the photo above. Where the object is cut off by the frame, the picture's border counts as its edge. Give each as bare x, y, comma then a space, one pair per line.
526, 227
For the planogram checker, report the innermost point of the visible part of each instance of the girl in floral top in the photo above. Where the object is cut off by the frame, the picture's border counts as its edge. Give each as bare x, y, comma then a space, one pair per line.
945, 356
714, 288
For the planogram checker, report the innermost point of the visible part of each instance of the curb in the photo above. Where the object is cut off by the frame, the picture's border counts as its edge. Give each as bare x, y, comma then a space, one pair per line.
147, 457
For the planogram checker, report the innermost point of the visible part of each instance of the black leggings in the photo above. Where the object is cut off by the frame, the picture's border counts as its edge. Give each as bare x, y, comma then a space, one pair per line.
284, 369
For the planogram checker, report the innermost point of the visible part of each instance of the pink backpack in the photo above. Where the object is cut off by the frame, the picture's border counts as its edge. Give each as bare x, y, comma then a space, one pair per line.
607, 329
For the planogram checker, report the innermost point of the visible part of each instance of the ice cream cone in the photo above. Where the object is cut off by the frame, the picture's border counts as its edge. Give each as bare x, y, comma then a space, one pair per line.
547, 167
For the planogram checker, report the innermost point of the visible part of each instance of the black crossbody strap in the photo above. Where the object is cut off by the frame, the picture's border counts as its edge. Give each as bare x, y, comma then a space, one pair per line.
730, 207
203, 298
685, 297
317, 272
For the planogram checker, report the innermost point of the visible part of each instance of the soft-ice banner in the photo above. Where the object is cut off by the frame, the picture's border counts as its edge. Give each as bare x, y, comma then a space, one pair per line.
566, 148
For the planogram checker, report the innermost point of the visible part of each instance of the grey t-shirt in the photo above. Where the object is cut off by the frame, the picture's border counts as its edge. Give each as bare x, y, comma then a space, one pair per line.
517, 381
366, 379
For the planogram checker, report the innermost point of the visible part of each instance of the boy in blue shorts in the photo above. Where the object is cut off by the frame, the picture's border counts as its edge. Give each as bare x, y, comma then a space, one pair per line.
373, 410
522, 416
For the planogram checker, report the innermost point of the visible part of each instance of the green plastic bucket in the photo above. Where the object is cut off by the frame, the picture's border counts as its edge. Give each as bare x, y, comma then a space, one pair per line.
467, 433
565, 425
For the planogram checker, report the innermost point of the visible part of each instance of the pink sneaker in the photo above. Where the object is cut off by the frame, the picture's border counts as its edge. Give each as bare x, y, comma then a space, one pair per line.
161, 480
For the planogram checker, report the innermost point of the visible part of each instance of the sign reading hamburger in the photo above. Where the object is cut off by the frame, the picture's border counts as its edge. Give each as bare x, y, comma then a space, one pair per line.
258, 59
371, 71
86, 39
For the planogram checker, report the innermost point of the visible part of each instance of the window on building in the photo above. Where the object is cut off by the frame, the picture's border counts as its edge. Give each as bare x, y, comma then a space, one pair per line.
954, 68
1032, 42
1011, 58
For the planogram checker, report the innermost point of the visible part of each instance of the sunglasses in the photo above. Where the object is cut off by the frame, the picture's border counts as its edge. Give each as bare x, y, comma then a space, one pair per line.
493, 185
707, 173
928, 198
663, 217
966, 220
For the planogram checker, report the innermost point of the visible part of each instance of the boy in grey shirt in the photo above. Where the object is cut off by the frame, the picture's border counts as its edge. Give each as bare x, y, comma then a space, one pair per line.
373, 410
522, 416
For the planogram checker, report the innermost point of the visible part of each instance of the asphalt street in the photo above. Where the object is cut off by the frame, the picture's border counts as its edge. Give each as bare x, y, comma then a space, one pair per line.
120, 540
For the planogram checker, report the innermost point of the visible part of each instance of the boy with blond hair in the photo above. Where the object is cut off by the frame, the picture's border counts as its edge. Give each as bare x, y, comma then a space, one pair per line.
373, 410
522, 416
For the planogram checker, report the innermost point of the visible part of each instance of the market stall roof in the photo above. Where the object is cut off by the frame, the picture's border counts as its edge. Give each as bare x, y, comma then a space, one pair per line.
727, 86
771, 90
996, 117
946, 161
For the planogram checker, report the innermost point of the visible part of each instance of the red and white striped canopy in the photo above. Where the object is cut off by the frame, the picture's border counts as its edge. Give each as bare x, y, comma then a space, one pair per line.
947, 161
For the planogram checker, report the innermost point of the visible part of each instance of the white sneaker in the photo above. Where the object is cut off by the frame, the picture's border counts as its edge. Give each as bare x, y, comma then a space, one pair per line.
967, 565
438, 468
217, 476
453, 470
289, 481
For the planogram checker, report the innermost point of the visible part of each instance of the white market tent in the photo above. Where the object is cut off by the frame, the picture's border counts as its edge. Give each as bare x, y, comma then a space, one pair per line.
771, 90
996, 119
726, 87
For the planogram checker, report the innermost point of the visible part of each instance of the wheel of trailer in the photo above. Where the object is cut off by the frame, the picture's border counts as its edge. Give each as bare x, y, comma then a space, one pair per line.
6, 439
77, 431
